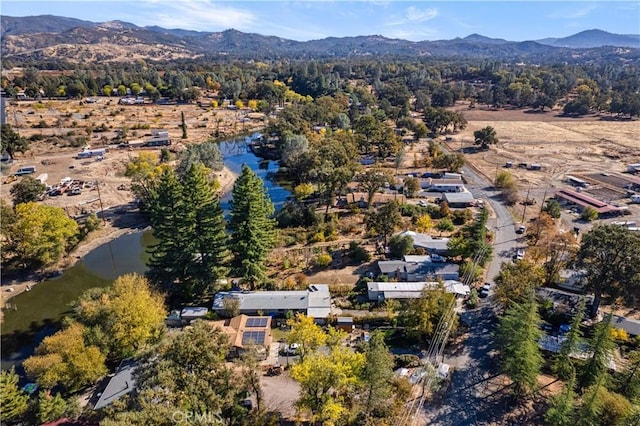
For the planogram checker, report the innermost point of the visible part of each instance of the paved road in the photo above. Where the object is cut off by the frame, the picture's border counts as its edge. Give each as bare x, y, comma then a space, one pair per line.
503, 225
475, 396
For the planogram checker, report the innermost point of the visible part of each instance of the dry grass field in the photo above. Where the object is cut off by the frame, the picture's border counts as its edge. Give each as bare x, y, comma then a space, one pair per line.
560, 145
74, 121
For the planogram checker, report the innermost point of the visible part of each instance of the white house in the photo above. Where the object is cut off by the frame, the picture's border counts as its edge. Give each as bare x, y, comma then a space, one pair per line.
378, 291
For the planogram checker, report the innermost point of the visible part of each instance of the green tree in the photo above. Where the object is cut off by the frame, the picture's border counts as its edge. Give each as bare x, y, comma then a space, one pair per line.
629, 381
306, 333
207, 154
27, 190
610, 257
13, 401
601, 346
561, 408
128, 315
589, 214
385, 220
252, 226
40, 234
11, 142
64, 359
552, 207
172, 255
411, 187
516, 281
485, 137
209, 239
51, 408
400, 245
445, 225
145, 171
422, 315
186, 372
371, 180
518, 335
563, 364
183, 126
377, 376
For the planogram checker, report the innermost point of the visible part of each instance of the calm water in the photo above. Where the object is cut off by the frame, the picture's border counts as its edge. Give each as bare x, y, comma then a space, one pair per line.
37, 313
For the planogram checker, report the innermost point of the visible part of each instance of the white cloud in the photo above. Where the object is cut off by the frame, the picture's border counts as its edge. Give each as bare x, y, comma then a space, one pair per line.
199, 15
413, 15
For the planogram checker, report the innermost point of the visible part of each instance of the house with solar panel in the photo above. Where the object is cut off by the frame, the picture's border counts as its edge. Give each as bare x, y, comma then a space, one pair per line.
247, 333
314, 302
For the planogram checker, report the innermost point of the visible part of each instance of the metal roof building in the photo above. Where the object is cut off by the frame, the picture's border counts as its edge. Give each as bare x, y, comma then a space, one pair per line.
120, 384
379, 291
315, 301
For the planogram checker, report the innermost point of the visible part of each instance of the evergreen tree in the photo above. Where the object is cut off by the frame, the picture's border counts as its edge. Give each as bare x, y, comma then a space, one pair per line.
601, 346
205, 217
519, 334
561, 409
172, 255
563, 365
252, 226
589, 412
183, 125
13, 401
50, 408
377, 375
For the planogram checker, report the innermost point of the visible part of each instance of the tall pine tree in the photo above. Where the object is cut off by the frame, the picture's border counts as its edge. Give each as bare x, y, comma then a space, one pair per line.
13, 401
205, 218
564, 365
601, 346
253, 228
519, 334
172, 255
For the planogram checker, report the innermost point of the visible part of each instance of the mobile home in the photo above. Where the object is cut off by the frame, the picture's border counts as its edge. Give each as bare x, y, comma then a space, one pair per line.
88, 153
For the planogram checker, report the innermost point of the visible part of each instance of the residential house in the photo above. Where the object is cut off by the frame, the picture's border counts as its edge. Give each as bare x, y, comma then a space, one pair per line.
418, 271
459, 199
315, 302
429, 244
442, 185
247, 332
378, 291
122, 383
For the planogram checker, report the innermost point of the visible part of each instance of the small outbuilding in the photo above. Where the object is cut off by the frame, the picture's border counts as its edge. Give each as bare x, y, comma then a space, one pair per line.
345, 324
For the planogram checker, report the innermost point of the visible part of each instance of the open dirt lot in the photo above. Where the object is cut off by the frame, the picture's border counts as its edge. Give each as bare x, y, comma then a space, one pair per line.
71, 120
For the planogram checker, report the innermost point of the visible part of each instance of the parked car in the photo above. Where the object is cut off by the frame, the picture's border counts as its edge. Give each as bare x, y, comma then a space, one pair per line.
521, 229
422, 203
484, 291
292, 349
520, 254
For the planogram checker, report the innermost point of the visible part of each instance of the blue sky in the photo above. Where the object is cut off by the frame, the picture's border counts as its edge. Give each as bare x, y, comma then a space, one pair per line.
307, 20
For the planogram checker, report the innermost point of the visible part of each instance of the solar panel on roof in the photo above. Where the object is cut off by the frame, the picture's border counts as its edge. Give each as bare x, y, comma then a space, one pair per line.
257, 322
255, 337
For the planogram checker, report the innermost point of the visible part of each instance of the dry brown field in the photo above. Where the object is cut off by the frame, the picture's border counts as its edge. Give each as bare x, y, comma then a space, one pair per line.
560, 145
72, 119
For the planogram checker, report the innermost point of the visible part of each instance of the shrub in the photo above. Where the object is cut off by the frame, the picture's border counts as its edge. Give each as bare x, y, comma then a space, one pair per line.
589, 214
406, 361
323, 260
473, 300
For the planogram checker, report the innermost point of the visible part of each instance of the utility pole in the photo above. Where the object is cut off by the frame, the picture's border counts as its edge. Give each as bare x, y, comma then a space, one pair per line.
526, 200
544, 198
104, 220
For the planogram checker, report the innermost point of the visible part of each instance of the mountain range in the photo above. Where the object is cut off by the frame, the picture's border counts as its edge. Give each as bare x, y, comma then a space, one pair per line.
50, 37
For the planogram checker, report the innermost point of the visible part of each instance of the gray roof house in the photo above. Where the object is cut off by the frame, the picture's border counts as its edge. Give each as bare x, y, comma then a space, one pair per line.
120, 384
314, 302
458, 199
380, 291
419, 271
431, 245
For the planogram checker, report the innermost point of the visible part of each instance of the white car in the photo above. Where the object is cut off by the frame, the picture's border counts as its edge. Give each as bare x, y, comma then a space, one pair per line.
520, 254
292, 349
